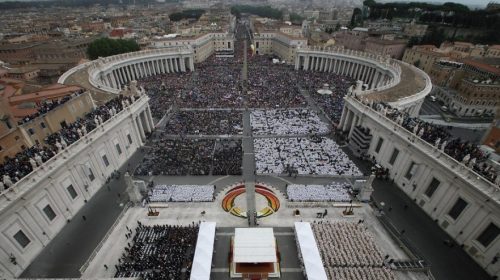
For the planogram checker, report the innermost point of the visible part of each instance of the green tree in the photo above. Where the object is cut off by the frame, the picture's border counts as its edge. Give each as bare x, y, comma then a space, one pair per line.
262, 11
356, 19
191, 13
104, 47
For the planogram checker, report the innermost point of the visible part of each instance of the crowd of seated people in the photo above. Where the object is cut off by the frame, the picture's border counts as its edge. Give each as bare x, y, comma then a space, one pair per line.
337, 192
228, 158
349, 251
332, 104
360, 273
192, 157
159, 252
181, 193
305, 156
287, 122
462, 151
14, 169
49, 105
213, 122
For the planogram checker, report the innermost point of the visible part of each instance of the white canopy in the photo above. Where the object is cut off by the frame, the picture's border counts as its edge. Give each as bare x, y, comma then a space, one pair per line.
202, 262
254, 245
309, 251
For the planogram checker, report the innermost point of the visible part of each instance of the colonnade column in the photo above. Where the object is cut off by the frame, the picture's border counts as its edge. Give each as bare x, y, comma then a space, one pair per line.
348, 119
191, 63
144, 118
353, 125
150, 117
141, 129
306, 62
343, 116
183, 64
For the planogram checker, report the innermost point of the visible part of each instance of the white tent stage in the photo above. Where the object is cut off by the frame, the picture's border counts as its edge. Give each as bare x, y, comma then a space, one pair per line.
254, 253
309, 252
254, 245
202, 262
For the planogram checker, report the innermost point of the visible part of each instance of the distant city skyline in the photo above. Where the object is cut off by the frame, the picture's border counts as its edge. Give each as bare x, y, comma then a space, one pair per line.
469, 3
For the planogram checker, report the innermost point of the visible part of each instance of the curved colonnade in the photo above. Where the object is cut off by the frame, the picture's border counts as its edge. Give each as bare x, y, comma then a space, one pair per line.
111, 74
434, 180
401, 85
379, 79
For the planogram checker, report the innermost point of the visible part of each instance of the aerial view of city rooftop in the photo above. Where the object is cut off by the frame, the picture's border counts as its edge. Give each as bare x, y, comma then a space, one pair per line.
249, 139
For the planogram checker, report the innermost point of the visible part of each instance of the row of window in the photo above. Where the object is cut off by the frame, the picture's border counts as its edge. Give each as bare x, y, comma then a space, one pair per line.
21, 237
485, 238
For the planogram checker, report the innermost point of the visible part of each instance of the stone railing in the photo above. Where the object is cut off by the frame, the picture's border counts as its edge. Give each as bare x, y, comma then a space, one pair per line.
59, 160
475, 180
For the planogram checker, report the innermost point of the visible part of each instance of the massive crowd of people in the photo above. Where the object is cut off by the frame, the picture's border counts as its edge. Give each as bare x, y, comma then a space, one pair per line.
462, 151
349, 251
213, 122
270, 87
287, 122
307, 157
49, 105
181, 193
336, 192
164, 90
192, 157
14, 169
159, 252
332, 104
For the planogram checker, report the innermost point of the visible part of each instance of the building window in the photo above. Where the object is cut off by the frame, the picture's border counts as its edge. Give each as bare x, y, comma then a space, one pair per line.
129, 138
72, 191
457, 208
379, 145
488, 235
49, 212
431, 189
22, 239
118, 149
411, 171
42, 125
105, 160
31, 131
394, 156
90, 174
9, 126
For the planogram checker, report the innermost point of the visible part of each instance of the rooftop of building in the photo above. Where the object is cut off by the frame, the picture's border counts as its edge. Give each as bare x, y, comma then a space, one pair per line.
49, 92
386, 42
411, 83
482, 65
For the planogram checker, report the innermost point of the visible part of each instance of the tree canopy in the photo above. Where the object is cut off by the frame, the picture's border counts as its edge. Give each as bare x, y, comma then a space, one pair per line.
263, 11
106, 47
191, 13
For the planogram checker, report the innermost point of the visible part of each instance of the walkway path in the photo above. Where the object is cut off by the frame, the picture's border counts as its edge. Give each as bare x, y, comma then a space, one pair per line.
69, 250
